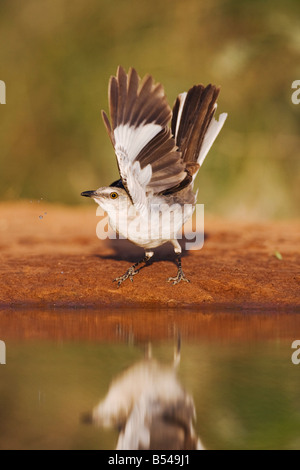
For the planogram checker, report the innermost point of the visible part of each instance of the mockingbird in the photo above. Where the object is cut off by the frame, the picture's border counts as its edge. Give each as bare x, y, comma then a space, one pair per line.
149, 407
154, 196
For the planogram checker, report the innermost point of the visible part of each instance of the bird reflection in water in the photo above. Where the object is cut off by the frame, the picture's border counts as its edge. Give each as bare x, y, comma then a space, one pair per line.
150, 408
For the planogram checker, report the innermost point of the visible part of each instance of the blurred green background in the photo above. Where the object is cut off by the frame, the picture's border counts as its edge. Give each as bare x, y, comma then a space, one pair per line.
56, 57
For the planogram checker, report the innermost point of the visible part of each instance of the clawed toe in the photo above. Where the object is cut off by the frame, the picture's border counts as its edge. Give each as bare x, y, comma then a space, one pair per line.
129, 274
180, 277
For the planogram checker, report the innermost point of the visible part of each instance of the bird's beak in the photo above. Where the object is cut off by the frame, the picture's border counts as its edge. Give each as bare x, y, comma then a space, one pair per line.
88, 193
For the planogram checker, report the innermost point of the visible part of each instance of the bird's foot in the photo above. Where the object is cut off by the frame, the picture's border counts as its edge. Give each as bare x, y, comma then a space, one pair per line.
129, 274
180, 277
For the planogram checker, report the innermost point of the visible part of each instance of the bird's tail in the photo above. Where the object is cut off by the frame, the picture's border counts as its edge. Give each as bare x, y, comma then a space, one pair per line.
194, 126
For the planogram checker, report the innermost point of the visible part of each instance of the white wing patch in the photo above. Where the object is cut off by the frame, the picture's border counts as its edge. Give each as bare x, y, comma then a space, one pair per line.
129, 141
137, 180
210, 136
182, 101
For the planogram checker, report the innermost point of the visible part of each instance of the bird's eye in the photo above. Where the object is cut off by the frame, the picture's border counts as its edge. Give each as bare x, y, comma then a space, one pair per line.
114, 195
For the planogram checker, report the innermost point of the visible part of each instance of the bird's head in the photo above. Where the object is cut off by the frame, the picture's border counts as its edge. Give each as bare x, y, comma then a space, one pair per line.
109, 198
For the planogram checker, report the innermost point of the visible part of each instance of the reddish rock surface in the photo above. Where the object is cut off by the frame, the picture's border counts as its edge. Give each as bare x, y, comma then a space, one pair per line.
51, 257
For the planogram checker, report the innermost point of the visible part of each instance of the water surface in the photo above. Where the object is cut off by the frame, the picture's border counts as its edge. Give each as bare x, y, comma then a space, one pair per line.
236, 367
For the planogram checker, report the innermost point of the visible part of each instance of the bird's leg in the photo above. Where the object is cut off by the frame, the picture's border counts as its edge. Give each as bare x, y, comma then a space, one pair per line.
180, 274
132, 271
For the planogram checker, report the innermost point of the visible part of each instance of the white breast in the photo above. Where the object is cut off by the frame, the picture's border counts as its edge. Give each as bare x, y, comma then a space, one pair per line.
160, 224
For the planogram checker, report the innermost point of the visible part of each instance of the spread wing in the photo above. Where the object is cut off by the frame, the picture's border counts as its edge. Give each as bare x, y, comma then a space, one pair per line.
194, 126
148, 159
